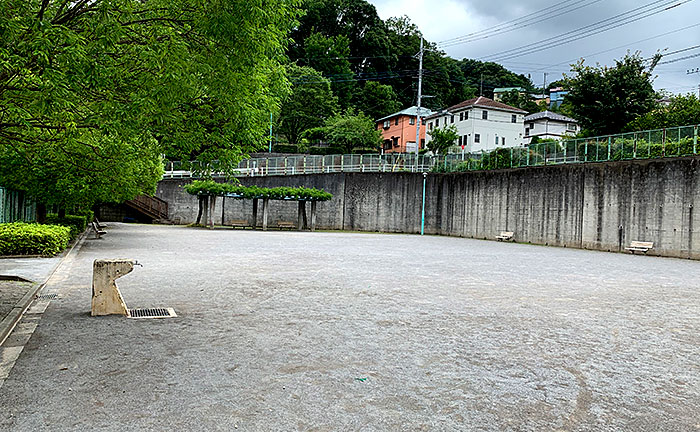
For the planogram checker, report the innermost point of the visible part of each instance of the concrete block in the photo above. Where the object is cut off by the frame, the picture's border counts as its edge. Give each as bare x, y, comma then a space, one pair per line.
106, 298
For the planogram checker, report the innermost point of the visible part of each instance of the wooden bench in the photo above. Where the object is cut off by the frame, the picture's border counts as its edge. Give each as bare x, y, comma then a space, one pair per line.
288, 225
98, 232
98, 224
240, 223
640, 246
505, 236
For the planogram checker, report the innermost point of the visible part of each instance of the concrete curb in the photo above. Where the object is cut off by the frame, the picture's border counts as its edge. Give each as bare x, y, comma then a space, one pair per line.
10, 321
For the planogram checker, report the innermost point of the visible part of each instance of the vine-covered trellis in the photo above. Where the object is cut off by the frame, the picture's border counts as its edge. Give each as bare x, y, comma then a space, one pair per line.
208, 190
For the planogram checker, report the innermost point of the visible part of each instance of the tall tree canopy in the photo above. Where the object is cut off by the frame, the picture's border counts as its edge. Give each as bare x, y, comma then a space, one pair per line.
683, 110
310, 103
605, 99
92, 92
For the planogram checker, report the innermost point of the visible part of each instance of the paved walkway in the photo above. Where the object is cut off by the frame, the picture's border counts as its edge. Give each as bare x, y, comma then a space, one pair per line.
283, 331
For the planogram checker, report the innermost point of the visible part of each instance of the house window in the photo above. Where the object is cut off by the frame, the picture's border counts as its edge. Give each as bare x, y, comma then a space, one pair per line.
452, 119
387, 145
412, 121
466, 115
430, 125
484, 115
395, 141
460, 141
496, 139
571, 127
387, 124
396, 122
422, 142
514, 118
532, 126
503, 141
422, 121
477, 138
527, 131
437, 122
464, 141
461, 116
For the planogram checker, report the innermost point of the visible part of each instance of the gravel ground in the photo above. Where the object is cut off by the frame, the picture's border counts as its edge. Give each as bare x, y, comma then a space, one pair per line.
11, 293
282, 331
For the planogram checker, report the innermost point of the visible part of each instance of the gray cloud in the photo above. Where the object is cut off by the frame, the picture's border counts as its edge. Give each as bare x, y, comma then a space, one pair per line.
448, 19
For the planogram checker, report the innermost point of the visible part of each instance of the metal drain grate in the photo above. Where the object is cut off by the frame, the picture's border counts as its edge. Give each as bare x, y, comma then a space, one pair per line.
152, 313
47, 297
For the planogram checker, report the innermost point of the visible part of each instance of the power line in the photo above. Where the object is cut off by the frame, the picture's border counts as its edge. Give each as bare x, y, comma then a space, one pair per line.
500, 29
680, 59
624, 18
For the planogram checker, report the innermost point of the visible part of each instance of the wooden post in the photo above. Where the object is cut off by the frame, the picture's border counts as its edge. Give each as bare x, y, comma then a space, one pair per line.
205, 210
255, 213
303, 214
212, 203
223, 206
300, 219
313, 215
266, 211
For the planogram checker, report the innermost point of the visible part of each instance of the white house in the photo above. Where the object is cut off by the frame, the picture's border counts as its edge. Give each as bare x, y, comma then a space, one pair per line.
549, 125
482, 124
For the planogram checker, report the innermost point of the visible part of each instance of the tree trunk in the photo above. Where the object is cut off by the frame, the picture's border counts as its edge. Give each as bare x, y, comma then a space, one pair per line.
61, 212
212, 207
41, 213
200, 201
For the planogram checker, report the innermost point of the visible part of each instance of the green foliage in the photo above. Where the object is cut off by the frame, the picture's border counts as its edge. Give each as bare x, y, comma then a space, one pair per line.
76, 223
212, 188
376, 100
683, 110
519, 100
326, 150
309, 104
605, 99
628, 148
329, 55
441, 139
32, 239
93, 92
285, 148
350, 130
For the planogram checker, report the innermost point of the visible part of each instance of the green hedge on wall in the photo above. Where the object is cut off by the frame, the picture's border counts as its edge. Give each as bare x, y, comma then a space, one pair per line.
210, 187
33, 239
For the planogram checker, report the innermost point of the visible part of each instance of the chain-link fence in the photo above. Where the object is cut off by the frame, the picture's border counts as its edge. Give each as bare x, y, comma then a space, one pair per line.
658, 143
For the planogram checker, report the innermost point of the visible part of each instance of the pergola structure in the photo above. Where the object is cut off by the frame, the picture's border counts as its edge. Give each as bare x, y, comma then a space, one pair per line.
302, 222
208, 190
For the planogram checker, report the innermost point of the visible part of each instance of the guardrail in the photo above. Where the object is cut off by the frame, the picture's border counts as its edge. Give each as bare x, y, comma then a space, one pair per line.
649, 144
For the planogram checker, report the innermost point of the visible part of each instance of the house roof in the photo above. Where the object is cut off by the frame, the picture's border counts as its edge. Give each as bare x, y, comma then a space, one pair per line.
507, 89
549, 115
412, 112
482, 102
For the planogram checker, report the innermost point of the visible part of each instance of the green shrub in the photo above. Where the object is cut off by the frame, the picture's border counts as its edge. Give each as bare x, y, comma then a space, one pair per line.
326, 150
77, 224
210, 187
33, 239
89, 214
285, 148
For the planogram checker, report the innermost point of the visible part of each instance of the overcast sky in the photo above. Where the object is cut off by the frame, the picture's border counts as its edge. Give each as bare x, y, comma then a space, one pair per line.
446, 19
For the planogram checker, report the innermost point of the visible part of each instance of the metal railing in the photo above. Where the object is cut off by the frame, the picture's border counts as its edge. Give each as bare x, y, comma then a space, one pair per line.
649, 144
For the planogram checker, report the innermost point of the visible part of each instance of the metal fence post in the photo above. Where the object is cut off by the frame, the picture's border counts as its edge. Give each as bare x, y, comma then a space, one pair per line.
663, 143
585, 150
511, 157
609, 143
695, 139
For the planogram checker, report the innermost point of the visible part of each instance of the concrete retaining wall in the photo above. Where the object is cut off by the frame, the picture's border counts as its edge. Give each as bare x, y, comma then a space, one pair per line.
600, 206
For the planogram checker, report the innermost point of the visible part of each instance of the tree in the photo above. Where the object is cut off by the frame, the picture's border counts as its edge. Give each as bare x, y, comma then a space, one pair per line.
93, 92
441, 139
376, 100
352, 131
516, 99
605, 99
682, 111
329, 55
309, 104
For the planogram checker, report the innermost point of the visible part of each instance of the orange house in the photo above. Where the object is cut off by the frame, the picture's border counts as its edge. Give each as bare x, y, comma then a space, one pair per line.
399, 130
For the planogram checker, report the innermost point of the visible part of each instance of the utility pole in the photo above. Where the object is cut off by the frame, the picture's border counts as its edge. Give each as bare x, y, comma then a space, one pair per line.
694, 71
270, 149
420, 95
